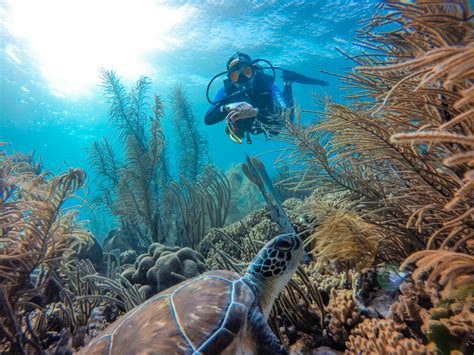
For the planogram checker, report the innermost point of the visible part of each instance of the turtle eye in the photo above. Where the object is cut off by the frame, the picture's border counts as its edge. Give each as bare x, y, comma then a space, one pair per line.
284, 244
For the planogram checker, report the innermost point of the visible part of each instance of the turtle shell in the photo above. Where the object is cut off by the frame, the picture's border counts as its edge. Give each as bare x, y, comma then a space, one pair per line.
202, 315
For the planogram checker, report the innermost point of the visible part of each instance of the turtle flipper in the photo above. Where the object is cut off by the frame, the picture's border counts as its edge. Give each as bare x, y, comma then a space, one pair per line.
266, 341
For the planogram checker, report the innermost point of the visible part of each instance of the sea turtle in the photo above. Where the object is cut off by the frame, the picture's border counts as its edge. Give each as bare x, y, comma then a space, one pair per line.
216, 312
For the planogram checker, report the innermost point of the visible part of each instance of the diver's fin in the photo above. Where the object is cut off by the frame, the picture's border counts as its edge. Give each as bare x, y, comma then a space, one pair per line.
291, 76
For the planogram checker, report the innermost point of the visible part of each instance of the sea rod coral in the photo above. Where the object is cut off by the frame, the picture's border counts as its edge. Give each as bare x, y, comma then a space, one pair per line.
36, 234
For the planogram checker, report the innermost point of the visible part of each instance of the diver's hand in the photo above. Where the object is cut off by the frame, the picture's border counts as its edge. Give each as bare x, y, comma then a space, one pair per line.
240, 110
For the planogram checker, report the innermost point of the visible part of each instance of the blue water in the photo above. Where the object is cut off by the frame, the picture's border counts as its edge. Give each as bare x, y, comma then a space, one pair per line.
56, 114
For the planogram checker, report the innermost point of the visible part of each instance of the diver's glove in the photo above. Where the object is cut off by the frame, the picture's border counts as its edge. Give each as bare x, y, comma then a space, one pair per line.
240, 110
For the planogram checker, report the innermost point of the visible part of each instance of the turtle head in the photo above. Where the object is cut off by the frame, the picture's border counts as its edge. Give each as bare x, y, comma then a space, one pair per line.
274, 266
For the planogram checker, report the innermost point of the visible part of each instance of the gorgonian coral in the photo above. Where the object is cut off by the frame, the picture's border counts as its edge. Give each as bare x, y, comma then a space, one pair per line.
36, 233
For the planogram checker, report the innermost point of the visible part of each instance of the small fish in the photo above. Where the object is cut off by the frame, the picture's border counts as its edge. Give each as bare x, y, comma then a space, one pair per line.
390, 277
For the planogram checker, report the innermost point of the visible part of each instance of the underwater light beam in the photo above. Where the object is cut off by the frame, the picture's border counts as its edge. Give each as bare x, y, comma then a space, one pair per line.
71, 39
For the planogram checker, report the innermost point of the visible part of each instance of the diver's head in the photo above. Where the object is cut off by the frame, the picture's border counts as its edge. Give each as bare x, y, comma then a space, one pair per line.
240, 68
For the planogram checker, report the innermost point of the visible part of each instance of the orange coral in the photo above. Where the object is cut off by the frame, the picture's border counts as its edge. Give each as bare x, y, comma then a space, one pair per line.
343, 314
446, 269
382, 337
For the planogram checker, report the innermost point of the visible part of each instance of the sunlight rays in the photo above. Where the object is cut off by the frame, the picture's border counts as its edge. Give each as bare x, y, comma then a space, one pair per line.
70, 40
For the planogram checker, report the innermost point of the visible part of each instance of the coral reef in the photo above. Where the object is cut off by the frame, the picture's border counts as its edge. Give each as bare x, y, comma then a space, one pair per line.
447, 270
139, 190
402, 188
50, 299
379, 336
408, 309
398, 160
325, 280
299, 310
162, 267
342, 315
300, 306
449, 327
239, 241
389, 220
36, 235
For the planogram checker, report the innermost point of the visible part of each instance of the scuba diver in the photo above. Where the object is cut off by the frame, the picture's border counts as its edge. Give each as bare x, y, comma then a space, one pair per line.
250, 102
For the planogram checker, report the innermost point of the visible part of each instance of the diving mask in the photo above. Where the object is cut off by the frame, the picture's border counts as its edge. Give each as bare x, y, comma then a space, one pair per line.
235, 74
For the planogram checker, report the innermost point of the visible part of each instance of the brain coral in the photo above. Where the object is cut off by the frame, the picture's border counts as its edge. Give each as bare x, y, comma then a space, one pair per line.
162, 267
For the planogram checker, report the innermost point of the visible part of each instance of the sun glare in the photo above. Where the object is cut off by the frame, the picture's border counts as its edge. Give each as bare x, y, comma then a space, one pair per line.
71, 39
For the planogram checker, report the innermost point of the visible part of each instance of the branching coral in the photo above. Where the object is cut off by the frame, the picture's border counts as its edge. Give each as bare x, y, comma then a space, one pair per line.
138, 189
298, 309
444, 278
449, 327
409, 307
325, 280
85, 304
424, 88
369, 185
377, 336
342, 315
401, 152
47, 296
432, 82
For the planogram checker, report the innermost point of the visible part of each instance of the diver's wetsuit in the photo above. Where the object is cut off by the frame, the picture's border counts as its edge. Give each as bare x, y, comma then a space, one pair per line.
264, 95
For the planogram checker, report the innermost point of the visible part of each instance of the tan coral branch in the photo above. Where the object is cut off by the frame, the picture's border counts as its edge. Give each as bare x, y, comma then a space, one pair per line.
432, 137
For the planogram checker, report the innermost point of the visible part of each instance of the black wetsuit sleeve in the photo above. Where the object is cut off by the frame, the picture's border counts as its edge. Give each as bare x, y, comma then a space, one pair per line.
215, 114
